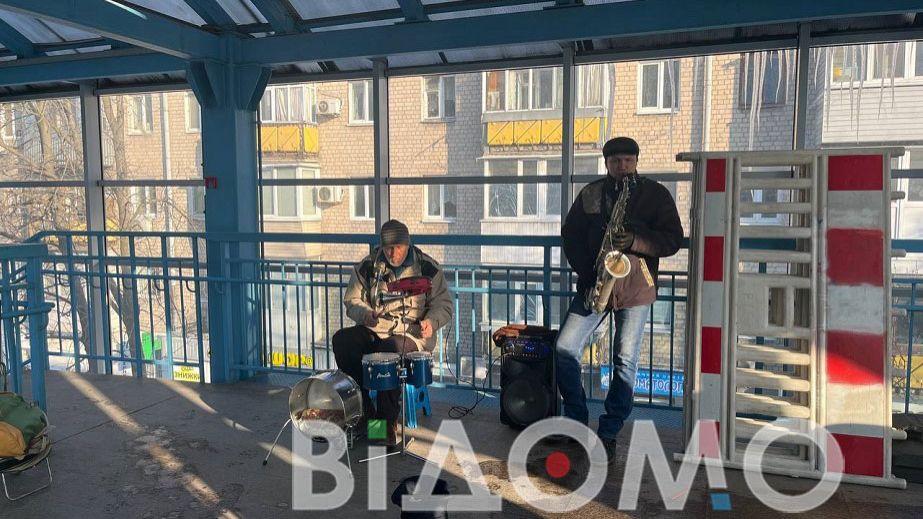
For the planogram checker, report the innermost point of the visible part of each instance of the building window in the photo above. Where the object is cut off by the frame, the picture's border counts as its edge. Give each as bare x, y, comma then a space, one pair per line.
7, 123
766, 71
192, 113
438, 97
495, 91
360, 101
918, 59
525, 200
440, 202
887, 61
661, 314
591, 81
289, 104
658, 86
362, 206
523, 89
140, 114
290, 201
146, 198
196, 197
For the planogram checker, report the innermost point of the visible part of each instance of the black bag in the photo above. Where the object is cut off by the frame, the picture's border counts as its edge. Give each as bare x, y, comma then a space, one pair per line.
407, 487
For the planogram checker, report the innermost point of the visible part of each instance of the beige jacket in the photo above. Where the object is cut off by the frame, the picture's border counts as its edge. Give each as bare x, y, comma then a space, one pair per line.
370, 277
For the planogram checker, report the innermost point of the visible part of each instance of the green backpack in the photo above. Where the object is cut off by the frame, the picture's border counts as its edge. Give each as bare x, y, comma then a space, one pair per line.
20, 422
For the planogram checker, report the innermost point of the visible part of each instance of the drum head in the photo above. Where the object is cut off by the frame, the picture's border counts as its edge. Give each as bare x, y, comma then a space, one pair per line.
380, 358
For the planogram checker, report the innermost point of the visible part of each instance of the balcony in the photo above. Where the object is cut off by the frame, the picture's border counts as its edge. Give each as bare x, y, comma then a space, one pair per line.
539, 132
289, 138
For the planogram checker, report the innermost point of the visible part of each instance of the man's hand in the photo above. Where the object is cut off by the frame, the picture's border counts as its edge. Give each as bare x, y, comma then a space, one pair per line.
623, 240
426, 328
371, 320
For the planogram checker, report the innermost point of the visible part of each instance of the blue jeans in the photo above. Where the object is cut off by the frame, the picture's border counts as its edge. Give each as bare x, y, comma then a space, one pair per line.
576, 330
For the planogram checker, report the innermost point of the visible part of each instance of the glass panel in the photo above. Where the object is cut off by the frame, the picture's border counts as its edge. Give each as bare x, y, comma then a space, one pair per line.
649, 75
520, 90
888, 60
543, 88
27, 211
449, 207
360, 205
502, 200
918, 69
496, 91
434, 201
164, 153
432, 96
41, 140
286, 196
529, 191
448, 86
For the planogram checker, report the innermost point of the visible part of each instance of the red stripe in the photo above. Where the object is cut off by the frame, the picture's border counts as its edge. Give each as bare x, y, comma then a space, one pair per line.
855, 358
855, 256
855, 173
713, 263
711, 350
862, 455
715, 180
709, 439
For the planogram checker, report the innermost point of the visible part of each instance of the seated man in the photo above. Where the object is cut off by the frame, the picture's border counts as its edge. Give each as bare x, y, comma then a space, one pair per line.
394, 326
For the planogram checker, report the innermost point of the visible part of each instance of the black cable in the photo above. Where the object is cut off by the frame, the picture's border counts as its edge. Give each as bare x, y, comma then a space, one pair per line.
457, 412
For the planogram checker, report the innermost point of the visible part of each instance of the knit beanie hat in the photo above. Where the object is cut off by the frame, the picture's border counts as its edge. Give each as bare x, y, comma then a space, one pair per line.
394, 232
621, 146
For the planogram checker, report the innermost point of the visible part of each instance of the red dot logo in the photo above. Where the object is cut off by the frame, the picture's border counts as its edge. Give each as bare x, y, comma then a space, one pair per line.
557, 464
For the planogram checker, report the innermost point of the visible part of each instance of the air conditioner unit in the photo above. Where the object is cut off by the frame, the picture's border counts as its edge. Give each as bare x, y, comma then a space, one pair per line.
329, 107
329, 194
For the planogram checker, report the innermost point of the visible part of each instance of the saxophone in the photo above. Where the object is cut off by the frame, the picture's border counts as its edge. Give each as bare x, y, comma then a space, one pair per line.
611, 263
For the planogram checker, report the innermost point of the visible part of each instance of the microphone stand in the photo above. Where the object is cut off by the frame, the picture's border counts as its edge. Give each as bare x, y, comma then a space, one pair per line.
402, 375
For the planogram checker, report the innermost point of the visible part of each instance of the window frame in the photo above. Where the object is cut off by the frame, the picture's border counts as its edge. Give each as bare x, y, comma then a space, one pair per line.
745, 58
187, 111
367, 88
140, 193
308, 94
441, 93
194, 193
906, 163
300, 173
369, 205
508, 90
520, 302
541, 191
441, 217
147, 114
661, 83
582, 86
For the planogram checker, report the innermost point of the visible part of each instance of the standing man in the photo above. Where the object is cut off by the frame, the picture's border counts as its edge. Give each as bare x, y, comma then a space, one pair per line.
650, 230
402, 325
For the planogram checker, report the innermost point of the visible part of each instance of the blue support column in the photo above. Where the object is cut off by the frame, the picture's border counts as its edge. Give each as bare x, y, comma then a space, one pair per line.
229, 96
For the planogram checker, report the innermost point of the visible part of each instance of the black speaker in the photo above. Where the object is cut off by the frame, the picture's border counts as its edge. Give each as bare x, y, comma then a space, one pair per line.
527, 385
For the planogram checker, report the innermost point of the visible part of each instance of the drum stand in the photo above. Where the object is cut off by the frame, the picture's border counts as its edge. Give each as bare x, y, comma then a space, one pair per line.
350, 440
402, 375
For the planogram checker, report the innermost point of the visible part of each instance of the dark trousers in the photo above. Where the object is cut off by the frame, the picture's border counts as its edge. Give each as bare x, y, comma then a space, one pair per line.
350, 344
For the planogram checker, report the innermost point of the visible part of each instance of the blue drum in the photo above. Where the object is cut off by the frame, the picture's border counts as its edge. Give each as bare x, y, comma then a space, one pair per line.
419, 368
380, 371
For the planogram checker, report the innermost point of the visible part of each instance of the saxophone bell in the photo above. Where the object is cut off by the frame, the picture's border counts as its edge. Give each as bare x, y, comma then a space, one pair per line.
617, 264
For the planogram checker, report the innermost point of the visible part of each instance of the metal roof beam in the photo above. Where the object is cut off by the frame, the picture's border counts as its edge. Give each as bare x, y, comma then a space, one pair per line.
94, 65
211, 12
634, 18
15, 41
122, 22
413, 10
279, 14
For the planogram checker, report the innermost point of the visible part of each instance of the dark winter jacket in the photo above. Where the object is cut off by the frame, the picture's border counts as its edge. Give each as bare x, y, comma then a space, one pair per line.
652, 217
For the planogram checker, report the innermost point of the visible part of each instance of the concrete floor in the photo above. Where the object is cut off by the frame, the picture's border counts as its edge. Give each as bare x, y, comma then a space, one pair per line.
149, 449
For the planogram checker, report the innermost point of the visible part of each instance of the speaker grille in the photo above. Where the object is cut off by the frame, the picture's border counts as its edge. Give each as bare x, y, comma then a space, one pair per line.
526, 401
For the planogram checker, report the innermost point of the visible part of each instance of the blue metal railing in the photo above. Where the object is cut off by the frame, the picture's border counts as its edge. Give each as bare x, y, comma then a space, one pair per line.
144, 304
23, 314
